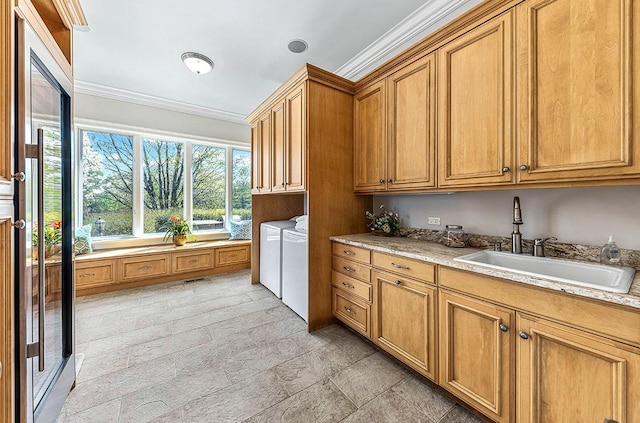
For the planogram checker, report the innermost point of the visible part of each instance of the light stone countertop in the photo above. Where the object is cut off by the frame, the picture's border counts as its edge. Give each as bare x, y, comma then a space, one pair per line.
439, 254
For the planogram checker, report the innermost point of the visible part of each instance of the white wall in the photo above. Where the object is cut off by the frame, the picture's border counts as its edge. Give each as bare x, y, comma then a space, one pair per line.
88, 107
573, 215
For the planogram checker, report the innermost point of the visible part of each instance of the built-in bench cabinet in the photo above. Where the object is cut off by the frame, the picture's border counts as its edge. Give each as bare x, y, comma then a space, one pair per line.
122, 268
512, 351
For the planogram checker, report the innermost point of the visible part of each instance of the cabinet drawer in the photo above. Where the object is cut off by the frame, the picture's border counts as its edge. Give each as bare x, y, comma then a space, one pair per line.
352, 312
232, 255
145, 267
352, 253
95, 274
404, 266
192, 261
354, 286
352, 269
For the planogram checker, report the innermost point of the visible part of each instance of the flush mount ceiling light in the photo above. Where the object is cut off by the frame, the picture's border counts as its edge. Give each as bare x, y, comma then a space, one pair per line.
197, 63
298, 46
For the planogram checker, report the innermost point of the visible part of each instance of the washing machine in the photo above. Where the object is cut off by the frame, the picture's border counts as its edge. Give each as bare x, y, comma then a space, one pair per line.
295, 271
271, 254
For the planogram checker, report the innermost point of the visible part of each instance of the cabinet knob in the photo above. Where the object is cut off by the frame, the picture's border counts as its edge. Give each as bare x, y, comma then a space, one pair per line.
20, 224
283, 184
523, 335
503, 327
20, 176
348, 310
505, 169
389, 180
524, 167
397, 282
382, 181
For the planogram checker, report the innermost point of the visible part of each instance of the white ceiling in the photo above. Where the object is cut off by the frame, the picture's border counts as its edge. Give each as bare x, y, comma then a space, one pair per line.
135, 46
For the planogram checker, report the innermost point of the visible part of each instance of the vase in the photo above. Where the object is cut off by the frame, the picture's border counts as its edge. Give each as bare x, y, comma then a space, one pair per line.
179, 240
382, 233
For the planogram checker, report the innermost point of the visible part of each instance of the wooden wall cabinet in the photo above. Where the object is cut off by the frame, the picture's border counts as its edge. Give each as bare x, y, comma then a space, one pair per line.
279, 145
476, 353
577, 84
394, 145
476, 106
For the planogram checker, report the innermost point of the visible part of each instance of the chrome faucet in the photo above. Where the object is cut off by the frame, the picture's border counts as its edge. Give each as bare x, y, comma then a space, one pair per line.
516, 236
538, 245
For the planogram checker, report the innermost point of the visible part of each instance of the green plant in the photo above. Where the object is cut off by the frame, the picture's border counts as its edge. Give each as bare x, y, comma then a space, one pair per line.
52, 234
384, 221
177, 227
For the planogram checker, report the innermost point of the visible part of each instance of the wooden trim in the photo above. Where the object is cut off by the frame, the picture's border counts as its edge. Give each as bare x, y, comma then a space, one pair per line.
474, 17
306, 72
7, 335
26, 10
7, 59
71, 13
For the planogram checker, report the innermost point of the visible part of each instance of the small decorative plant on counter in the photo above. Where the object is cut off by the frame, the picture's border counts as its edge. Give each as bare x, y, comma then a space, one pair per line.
179, 229
383, 223
52, 238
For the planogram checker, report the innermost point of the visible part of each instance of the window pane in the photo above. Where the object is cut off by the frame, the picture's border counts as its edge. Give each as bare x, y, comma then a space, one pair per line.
241, 185
162, 182
208, 165
107, 183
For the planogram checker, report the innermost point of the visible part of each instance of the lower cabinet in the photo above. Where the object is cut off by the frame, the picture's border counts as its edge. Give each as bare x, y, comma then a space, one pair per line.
352, 311
404, 315
95, 274
476, 353
568, 375
144, 267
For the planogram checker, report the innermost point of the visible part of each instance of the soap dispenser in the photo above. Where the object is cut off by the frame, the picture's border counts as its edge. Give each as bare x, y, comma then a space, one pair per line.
610, 253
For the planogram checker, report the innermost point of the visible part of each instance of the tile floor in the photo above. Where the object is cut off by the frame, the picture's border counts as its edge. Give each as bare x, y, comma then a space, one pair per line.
223, 350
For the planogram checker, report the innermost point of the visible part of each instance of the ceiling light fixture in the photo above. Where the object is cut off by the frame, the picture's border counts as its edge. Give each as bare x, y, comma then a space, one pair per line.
197, 63
298, 46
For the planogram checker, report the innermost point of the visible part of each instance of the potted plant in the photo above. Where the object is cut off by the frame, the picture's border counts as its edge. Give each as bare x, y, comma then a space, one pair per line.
52, 238
383, 223
179, 229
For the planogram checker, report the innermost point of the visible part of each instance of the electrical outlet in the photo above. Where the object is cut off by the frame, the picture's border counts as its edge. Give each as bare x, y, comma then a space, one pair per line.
433, 221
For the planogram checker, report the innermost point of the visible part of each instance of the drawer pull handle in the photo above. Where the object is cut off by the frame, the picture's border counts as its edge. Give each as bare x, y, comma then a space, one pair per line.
87, 275
145, 267
348, 310
523, 335
503, 327
348, 285
348, 269
349, 253
193, 261
397, 266
397, 282
233, 256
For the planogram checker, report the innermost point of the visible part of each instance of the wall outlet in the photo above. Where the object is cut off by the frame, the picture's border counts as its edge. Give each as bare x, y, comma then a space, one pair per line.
433, 221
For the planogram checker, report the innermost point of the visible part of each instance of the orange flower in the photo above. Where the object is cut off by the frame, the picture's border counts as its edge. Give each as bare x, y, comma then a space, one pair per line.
56, 224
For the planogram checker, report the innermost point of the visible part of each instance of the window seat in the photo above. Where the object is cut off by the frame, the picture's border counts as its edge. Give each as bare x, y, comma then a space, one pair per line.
121, 268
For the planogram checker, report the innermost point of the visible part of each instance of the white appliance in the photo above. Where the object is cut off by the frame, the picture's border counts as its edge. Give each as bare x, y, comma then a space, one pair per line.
271, 254
295, 271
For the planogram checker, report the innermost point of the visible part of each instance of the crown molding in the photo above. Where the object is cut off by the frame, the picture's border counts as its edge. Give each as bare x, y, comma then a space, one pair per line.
89, 88
420, 20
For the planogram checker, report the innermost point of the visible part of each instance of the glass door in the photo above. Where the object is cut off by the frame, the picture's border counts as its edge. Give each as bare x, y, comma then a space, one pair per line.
44, 247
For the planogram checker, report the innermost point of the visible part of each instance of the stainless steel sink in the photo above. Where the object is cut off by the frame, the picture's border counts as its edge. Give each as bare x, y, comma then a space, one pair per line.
607, 278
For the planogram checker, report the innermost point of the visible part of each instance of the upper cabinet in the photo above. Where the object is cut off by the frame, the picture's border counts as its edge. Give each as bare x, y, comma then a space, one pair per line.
576, 90
475, 108
395, 131
536, 93
278, 145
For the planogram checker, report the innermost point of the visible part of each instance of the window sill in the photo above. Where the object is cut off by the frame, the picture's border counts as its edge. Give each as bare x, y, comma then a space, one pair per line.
156, 239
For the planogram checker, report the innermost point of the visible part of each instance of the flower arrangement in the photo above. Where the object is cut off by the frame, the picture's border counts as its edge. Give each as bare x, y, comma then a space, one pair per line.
178, 230
52, 235
386, 222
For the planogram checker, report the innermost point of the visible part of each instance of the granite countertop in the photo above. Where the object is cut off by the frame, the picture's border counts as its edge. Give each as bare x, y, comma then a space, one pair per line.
433, 252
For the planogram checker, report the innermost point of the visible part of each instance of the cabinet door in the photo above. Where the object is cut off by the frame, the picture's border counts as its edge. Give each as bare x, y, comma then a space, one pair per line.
476, 353
566, 375
370, 140
404, 321
575, 89
256, 159
278, 177
264, 131
296, 140
475, 115
411, 120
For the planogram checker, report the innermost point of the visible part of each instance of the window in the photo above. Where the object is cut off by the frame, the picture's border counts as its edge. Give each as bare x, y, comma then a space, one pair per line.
209, 173
131, 184
241, 185
107, 183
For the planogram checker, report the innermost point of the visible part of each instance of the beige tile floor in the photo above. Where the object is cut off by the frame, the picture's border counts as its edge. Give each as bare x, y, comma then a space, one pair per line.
223, 350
